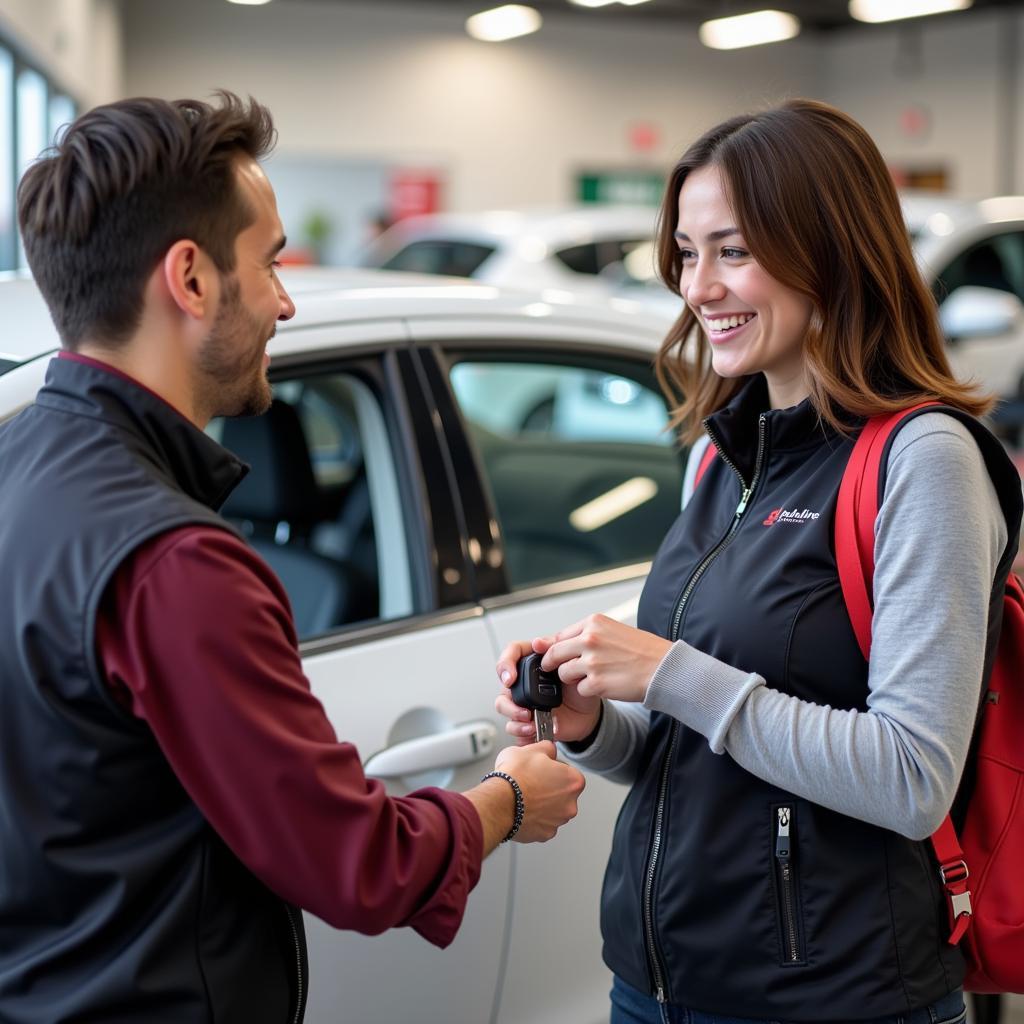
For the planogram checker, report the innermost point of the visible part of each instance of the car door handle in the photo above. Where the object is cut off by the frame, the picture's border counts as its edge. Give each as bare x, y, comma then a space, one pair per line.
462, 745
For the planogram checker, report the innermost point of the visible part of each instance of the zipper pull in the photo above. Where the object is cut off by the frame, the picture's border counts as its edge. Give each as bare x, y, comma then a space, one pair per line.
744, 498
782, 834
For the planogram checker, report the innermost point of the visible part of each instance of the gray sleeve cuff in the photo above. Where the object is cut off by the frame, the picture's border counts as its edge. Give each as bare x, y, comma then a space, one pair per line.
700, 691
615, 749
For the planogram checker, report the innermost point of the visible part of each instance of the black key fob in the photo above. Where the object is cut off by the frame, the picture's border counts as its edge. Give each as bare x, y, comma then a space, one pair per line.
534, 688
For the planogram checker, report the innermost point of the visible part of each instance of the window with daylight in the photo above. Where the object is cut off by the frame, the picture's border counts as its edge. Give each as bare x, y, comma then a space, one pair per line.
33, 110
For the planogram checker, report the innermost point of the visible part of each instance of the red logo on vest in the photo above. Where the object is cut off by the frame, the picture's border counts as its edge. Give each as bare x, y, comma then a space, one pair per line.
791, 515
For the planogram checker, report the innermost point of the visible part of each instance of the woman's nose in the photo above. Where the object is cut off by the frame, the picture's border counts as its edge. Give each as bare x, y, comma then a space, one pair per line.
704, 286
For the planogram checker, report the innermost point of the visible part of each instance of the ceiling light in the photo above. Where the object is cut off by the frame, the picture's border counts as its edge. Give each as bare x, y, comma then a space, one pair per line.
893, 10
592, 3
249, 3
501, 23
748, 30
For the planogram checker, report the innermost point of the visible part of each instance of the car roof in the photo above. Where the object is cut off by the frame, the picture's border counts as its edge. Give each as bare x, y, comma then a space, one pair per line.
557, 226
332, 296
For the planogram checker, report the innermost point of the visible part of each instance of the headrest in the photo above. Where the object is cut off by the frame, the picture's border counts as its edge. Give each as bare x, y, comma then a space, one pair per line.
280, 486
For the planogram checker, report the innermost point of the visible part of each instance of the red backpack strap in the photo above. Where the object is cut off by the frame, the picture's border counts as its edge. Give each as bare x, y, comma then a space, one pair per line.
856, 512
705, 460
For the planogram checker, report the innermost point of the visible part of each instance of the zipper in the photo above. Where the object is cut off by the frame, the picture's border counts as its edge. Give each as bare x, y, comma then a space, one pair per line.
300, 993
745, 495
787, 884
654, 961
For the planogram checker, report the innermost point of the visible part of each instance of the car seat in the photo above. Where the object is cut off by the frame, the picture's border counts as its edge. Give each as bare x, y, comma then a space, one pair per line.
276, 506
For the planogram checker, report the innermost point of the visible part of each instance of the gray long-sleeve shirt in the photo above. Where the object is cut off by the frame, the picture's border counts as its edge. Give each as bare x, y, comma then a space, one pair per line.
939, 536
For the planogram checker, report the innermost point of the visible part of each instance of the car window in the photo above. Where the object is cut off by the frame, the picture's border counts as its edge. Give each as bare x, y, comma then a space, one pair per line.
456, 259
582, 472
593, 257
996, 262
321, 501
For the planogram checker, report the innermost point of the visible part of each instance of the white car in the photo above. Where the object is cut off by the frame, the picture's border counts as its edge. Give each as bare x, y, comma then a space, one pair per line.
579, 248
422, 526
971, 253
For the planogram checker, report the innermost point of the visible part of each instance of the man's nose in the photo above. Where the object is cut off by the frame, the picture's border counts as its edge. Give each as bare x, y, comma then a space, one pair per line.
287, 306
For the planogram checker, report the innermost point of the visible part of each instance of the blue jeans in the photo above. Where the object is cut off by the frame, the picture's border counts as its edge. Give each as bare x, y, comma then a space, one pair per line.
632, 1007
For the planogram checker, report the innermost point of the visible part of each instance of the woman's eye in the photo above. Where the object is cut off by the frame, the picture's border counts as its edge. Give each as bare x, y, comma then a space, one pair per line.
732, 253
687, 254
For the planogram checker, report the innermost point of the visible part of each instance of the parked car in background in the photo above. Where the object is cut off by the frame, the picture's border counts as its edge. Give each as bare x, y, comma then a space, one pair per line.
971, 253
558, 248
465, 466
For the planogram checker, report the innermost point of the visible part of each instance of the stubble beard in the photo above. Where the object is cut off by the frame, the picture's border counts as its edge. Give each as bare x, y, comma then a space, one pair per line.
233, 381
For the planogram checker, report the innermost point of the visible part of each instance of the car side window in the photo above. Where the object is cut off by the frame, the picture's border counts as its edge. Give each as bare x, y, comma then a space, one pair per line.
454, 259
996, 262
582, 471
321, 501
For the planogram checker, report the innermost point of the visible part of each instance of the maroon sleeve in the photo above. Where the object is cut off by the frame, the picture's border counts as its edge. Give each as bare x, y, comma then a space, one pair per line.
196, 633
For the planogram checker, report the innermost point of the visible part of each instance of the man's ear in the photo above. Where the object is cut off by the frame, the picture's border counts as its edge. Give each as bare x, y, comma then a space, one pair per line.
190, 278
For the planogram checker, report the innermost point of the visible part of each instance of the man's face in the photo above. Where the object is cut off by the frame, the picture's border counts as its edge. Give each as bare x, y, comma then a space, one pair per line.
233, 360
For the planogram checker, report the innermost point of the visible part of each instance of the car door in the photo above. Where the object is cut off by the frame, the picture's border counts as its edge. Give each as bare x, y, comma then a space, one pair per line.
403, 663
568, 482
996, 358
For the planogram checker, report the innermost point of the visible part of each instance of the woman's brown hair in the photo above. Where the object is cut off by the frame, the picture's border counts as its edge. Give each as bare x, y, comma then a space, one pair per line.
818, 210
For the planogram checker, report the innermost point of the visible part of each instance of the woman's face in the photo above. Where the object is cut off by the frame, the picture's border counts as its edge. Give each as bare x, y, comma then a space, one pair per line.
754, 323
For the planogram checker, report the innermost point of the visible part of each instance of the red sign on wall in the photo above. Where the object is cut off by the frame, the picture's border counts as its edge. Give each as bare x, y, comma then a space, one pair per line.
414, 192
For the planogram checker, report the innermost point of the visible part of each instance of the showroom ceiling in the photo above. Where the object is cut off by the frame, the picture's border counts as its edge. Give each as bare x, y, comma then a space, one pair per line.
824, 15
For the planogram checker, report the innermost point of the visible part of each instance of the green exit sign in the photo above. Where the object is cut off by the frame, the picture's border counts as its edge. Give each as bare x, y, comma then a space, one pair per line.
642, 188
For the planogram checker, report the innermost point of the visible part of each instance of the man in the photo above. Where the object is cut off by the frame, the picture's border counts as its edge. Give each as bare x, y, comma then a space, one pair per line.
170, 790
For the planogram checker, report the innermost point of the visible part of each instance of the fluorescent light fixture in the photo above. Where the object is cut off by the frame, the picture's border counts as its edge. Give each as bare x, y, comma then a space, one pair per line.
501, 23
893, 10
612, 504
593, 3
250, 3
748, 30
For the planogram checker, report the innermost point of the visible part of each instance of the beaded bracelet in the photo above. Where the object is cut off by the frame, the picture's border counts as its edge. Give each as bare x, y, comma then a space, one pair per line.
520, 805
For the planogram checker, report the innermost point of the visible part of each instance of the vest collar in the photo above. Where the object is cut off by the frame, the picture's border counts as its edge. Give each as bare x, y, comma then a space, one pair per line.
735, 426
199, 466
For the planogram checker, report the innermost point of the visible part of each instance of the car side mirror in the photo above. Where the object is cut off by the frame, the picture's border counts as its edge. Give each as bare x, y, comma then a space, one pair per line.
975, 312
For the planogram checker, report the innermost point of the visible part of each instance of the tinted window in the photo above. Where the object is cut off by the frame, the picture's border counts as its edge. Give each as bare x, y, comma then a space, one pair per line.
456, 259
321, 502
593, 257
996, 262
581, 472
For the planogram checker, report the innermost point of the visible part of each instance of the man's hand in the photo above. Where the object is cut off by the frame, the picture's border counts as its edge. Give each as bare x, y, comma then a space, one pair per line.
576, 718
551, 789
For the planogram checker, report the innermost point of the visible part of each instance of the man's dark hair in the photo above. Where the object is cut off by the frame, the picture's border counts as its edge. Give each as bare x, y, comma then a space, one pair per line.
125, 182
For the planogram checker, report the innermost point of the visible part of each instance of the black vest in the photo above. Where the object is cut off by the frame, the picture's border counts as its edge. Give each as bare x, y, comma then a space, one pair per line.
732, 895
118, 902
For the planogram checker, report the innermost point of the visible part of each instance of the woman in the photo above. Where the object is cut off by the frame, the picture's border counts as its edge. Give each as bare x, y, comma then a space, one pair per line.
770, 862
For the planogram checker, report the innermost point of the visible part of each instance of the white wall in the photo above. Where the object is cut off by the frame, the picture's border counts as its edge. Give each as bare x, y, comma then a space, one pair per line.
509, 123
77, 42
956, 68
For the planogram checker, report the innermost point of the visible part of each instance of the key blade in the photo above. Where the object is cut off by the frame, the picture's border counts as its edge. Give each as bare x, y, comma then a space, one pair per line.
544, 725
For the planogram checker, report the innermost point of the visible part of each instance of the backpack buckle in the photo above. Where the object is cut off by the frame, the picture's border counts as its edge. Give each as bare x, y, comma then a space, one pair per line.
954, 873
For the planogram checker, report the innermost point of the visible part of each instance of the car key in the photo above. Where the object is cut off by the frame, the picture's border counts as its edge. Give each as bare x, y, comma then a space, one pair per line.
538, 691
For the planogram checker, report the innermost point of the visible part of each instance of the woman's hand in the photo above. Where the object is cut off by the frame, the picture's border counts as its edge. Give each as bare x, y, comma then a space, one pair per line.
574, 720
602, 657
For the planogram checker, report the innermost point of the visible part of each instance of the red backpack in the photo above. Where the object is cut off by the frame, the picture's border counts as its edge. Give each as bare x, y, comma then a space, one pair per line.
982, 870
